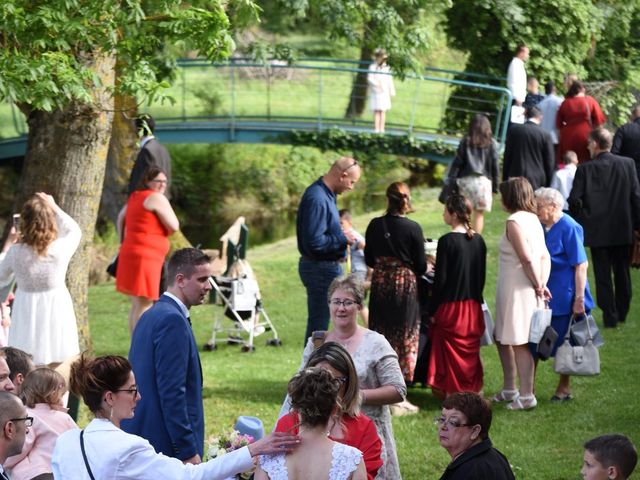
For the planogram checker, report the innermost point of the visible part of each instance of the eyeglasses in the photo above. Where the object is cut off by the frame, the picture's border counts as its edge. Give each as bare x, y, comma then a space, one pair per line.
441, 421
336, 302
28, 421
133, 390
355, 162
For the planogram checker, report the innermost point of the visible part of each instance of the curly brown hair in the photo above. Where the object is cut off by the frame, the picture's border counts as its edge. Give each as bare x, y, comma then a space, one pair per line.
314, 395
38, 225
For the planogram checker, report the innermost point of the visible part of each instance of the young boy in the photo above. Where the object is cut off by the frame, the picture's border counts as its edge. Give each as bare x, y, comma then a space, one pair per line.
609, 457
356, 253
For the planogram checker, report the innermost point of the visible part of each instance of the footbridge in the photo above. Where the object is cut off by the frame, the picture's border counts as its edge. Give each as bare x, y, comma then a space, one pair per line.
305, 103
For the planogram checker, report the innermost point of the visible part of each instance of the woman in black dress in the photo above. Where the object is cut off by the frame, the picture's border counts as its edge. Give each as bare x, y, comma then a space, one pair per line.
395, 250
456, 304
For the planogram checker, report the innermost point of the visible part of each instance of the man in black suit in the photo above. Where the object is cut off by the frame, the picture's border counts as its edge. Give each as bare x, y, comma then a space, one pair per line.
626, 141
605, 200
529, 152
152, 152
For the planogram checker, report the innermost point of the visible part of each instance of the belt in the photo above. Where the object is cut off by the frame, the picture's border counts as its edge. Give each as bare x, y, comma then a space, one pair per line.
318, 258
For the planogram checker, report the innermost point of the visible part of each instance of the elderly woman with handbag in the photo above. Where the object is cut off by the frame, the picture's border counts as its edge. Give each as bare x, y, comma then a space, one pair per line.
567, 282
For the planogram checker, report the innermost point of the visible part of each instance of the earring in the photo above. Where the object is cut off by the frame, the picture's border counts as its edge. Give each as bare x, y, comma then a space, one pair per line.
110, 413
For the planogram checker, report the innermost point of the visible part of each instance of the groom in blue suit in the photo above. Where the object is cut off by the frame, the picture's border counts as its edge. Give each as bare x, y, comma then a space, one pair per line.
165, 361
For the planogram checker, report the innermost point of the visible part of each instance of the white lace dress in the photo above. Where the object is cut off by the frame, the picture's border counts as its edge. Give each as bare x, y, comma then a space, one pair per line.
344, 461
43, 322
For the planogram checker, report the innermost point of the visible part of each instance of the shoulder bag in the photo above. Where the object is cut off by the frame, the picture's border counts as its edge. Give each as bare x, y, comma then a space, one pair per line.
576, 359
582, 329
84, 455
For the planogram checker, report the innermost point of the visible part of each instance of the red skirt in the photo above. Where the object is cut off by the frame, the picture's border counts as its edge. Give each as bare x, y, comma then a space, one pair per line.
454, 363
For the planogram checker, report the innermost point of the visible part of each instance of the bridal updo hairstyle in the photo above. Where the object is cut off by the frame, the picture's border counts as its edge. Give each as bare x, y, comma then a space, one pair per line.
38, 227
91, 377
314, 395
398, 199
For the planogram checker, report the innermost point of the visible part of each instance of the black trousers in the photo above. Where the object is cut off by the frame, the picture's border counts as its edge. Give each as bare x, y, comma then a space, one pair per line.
614, 297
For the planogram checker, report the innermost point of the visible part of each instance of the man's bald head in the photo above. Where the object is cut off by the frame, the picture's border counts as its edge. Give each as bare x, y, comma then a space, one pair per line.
10, 407
343, 175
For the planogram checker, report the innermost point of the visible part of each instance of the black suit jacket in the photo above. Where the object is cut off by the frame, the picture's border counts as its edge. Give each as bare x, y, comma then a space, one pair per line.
626, 142
529, 153
153, 153
605, 200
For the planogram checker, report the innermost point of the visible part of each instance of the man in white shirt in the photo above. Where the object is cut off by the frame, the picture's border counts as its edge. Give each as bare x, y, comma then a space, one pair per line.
517, 75
549, 107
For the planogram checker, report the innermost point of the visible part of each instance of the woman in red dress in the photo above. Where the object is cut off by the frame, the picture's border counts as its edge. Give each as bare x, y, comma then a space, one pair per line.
351, 427
456, 304
148, 221
577, 116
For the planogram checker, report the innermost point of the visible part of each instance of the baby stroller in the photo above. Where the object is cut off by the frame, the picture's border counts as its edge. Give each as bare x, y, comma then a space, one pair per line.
237, 291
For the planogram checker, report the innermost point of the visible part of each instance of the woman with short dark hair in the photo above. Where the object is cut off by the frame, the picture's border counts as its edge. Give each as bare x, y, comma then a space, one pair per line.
463, 431
522, 279
145, 224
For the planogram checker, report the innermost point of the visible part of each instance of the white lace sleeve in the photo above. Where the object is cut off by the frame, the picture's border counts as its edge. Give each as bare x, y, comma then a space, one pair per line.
344, 461
6, 267
274, 466
68, 230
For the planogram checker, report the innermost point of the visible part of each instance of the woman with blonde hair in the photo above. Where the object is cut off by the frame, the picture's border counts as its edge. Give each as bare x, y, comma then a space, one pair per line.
43, 319
42, 393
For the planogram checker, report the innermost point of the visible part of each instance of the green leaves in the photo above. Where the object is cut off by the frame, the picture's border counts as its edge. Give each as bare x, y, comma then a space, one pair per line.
48, 45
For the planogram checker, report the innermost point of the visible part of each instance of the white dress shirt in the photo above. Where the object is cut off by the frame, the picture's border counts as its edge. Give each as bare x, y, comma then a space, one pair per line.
517, 79
116, 455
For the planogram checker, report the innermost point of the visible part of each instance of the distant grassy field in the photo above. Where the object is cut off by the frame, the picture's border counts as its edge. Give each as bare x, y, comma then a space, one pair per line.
543, 444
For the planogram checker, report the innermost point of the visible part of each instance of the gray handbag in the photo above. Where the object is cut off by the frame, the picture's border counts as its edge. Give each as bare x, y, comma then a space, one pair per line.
577, 359
581, 329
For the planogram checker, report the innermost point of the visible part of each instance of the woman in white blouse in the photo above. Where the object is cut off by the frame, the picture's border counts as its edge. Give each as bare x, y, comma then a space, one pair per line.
43, 319
103, 451
381, 89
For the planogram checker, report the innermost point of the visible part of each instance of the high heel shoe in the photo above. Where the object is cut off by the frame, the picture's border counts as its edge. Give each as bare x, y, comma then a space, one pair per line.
523, 403
505, 396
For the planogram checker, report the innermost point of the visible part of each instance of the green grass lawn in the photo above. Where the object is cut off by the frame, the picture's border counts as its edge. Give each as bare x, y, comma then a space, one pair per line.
543, 444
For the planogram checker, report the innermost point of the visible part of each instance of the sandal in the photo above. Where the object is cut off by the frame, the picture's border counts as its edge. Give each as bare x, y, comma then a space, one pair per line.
561, 398
505, 396
523, 403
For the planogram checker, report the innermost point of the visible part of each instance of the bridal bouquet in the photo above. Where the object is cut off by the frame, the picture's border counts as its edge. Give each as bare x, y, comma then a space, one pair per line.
227, 442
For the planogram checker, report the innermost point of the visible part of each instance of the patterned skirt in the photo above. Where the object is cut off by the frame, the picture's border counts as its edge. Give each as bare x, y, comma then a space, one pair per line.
394, 310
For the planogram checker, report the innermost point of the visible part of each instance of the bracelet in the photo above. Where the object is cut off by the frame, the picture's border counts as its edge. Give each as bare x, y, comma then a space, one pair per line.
579, 297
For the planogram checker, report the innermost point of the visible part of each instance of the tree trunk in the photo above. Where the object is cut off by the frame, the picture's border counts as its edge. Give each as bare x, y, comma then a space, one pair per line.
66, 157
122, 154
358, 96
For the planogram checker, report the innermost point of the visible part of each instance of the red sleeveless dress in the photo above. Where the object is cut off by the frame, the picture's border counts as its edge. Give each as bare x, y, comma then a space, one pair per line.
143, 250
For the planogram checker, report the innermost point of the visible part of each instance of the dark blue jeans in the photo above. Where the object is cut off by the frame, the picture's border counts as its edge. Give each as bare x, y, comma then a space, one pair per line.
316, 277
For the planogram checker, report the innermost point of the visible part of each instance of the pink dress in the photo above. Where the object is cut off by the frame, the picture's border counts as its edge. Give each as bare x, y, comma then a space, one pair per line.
35, 459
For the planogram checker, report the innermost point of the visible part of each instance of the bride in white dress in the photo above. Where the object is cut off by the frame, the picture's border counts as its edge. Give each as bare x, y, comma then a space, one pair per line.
314, 393
43, 319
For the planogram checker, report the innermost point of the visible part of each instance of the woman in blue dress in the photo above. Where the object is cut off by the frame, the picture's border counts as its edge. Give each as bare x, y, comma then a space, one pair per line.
567, 283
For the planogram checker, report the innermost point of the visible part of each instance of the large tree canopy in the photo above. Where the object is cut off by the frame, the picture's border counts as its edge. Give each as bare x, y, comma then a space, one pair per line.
58, 62
596, 40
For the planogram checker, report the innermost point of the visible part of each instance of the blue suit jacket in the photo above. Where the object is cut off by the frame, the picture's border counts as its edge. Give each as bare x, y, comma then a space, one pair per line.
167, 367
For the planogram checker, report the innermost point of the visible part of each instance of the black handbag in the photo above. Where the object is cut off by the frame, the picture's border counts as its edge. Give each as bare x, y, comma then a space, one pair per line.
112, 268
449, 188
547, 342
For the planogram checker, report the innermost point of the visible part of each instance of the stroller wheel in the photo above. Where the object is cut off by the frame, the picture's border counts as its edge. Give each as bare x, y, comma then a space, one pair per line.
248, 348
210, 347
274, 342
